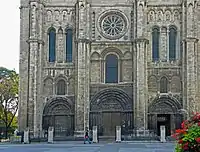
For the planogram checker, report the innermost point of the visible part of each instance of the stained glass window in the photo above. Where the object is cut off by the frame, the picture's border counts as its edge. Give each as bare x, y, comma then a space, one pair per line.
69, 44
111, 69
172, 43
155, 43
52, 45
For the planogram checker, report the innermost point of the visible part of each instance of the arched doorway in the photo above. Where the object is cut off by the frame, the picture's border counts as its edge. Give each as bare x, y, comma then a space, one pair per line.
59, 113
164, 111
110, 108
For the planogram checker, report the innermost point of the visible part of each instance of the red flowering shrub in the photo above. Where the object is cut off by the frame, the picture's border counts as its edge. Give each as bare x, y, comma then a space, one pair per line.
188, 137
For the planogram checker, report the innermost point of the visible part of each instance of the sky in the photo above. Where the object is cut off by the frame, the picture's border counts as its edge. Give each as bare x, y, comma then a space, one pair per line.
10, 34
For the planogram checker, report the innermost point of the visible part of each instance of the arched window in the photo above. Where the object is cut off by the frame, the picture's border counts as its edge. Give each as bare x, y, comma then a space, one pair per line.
69, 43
163, 85
172, 43
61, 88
52, 45
111, 69
155, 43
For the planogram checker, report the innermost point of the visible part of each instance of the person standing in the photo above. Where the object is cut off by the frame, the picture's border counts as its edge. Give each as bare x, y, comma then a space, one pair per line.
86, 137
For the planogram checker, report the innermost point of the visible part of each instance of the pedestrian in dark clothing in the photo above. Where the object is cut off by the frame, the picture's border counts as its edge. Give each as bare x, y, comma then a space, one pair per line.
86, 137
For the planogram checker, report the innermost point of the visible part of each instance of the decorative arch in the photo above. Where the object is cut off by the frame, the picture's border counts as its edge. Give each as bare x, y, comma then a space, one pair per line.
54, 103
152, 84
69, 44
111, 68
60, 30
111, 50
111, 99
59, 113
61, 76
48, 86
127, 55
61, 87
168, 15
165, 105
155, 43
176, 84
172, 42
95, 56
164, 84
52, 44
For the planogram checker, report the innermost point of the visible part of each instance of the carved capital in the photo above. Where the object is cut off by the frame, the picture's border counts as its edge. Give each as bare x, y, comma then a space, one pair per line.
32, 40
191, 39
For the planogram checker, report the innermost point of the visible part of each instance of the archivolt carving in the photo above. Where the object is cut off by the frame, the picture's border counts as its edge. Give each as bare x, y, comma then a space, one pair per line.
175, 84
59, 106
164, 104
111, 49
111, 99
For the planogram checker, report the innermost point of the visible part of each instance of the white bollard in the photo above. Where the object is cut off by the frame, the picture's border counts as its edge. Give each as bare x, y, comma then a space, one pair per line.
95, 139
162, 134
118, 133
50, 135
26, 136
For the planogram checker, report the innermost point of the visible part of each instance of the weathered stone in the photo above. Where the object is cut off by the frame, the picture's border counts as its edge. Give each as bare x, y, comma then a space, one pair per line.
150, 88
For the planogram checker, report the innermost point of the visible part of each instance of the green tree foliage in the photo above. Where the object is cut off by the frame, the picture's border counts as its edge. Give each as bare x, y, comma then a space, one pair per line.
9, 81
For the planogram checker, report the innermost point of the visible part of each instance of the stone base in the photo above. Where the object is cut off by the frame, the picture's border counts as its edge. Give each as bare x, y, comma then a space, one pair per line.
79, 133
142, 133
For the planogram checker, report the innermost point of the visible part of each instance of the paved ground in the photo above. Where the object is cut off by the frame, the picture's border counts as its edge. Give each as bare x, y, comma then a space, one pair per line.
79, 147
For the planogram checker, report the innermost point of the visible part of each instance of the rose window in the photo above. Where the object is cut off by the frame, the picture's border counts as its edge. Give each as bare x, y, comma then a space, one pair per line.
113, 25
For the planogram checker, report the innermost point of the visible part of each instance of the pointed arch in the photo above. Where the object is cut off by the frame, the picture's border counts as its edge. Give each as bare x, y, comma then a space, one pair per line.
111, 68
155, 43
164, 85
172, 42
52, 44
69, 44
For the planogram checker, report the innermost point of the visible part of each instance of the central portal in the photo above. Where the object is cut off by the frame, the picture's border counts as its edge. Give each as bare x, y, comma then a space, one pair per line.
110, 108
110, 121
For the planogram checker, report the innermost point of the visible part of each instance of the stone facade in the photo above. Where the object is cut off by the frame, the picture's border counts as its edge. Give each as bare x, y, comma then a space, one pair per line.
153, 88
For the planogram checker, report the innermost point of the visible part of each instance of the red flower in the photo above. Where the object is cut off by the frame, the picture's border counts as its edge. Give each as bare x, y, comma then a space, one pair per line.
198, 140
180, 141
185, 146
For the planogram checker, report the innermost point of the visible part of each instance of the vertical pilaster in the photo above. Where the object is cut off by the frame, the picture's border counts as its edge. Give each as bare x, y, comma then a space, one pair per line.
190, 74
140, 66
35, 59
190, 60
83, 39
23, 65
141, 83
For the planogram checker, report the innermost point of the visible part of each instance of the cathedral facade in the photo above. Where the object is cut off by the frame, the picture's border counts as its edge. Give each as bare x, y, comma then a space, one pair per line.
108, 63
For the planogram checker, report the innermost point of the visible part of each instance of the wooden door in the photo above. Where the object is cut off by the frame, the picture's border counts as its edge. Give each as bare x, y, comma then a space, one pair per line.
110, 121
106, 124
